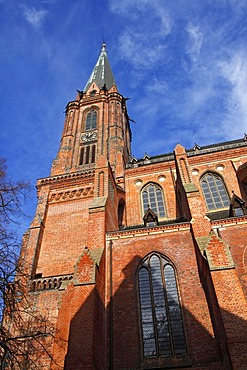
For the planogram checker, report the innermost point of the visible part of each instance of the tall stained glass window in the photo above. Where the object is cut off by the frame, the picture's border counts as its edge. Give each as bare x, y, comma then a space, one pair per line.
161, 316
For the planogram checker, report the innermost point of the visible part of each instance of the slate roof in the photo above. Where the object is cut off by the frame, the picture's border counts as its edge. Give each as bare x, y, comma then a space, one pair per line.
102, 74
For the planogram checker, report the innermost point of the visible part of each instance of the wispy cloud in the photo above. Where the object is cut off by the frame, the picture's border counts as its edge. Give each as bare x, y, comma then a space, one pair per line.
195, 41
234, 71
35, 17
143, 40
180, 56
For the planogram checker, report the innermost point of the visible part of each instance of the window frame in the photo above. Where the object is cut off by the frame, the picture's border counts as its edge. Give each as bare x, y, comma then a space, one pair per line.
87, 154
157, 211
220, 195
163, 262
91, 123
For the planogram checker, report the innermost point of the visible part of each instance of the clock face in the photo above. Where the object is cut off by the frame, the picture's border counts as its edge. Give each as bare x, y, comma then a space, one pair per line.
89, 136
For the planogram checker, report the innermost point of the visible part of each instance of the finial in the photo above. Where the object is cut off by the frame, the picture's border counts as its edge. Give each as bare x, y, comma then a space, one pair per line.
103, 46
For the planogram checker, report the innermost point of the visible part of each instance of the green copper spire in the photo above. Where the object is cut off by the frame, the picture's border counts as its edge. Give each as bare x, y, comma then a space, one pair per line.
102, 74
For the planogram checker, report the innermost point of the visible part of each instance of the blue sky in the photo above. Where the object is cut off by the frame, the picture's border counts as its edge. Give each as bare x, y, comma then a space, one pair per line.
182, 63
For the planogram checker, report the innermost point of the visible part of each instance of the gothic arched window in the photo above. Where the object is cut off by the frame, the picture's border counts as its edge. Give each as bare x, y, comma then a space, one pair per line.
161, 316
214, 191
91, 120
152, 197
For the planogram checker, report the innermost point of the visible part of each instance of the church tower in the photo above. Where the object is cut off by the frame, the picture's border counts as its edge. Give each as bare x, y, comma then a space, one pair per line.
138, 263
96, 130
81, 200
87, 175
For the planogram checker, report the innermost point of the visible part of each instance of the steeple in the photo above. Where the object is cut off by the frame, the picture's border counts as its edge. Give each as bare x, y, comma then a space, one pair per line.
102, 74
96, 129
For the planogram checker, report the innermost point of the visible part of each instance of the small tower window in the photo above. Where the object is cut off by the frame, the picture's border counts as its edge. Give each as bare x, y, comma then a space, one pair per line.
81, 156
93, 154
161, 315
91, 120
214, 191
87, 154
152, 197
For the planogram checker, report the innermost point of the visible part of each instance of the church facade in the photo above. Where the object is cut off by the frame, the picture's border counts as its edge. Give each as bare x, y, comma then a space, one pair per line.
141, 263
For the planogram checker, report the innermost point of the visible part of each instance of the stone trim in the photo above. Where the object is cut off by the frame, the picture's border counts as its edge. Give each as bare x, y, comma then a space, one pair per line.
124, 234
50, 282
71, 194
190, 152
67, 176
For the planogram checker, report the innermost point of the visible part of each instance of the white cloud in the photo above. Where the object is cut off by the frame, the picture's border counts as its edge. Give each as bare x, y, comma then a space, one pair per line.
125, 6
139, 52
35, 17
235, 72
143, 39
196, 39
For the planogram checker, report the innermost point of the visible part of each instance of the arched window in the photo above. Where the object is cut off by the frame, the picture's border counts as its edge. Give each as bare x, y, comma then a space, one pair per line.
121, 206
91, 120
161, 316
214, 191
152, 197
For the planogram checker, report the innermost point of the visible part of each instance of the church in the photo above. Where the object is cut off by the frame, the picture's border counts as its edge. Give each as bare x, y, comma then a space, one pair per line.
140, 263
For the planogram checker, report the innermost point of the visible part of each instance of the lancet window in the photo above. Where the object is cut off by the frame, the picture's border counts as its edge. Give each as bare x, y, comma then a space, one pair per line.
160, 310
153, 198
91, 120
214, 191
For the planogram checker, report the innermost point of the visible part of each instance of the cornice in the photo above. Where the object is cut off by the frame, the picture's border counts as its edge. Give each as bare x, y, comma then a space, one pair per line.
50, 282
221, 147
216, 156
60, 196
67, 176
226, 222
150, 168
146, 231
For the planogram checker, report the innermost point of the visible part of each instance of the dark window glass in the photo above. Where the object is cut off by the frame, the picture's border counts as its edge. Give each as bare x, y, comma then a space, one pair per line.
87, 154
81, 156
214, 191
238, 211
93, 154
91, 120
152, 197
161, 317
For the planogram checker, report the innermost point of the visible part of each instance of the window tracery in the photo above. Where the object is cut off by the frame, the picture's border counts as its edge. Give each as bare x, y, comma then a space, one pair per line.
91, 120
152, 197
161, 316
214, 191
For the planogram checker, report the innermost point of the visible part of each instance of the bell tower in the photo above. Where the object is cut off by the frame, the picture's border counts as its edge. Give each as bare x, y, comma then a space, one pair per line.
87, 177
96, 129
86, 187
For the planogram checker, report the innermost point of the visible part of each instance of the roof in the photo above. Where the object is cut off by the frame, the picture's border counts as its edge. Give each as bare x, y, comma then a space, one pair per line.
197, 150
102, 74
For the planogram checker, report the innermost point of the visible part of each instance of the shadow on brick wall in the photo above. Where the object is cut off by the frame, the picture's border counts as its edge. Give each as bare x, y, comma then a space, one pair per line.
108, 336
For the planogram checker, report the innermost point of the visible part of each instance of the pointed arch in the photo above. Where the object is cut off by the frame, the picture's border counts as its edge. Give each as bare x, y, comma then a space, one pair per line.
214, 191
91, 120
160, 310
121, 209
152, 197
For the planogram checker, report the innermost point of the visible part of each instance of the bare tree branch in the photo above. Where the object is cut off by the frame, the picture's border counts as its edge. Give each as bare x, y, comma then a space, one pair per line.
25, 335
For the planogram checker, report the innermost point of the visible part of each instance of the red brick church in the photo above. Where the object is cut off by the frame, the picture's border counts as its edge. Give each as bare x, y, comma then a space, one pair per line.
142, 263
